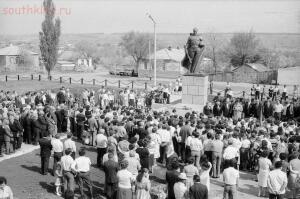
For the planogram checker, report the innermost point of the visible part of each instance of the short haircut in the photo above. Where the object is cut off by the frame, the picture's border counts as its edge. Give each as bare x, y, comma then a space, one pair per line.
278, 164
265, 153
69, 194
68, 151
191, 161
3, 180
69, 135
232, 162
196, 178
282, 156
81, 151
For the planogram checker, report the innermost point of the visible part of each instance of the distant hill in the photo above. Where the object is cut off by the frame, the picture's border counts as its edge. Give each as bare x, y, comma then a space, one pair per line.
278, 41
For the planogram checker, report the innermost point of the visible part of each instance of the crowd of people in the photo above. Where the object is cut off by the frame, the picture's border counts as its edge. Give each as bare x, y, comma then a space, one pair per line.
259, 135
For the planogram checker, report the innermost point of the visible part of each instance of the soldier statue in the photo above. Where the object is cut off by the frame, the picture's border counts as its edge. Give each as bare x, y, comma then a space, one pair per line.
193, 51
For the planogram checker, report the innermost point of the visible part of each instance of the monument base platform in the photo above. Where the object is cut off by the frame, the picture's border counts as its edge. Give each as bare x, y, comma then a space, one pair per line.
194, 91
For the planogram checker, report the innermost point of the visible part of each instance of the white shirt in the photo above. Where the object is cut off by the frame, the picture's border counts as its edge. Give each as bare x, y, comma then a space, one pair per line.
57, 145
278, 108
230, 152
69, 143
6, 193
230, 176
196, 144
67, 161
179, 190
164, 135
172, 130
124, 179
101, 141
246, 144
275, 181
82, 164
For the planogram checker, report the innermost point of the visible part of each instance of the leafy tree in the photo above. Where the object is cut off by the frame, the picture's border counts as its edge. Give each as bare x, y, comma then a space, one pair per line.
243, 48
86, 48
49, 37
136, 45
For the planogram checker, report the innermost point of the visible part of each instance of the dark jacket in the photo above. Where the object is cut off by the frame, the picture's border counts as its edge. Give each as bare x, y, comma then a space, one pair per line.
227, 110
267, 110
2, 132
46, 147
16, 128
198, 191
217, 110
42, 124
246, 110
59, 118
207, 110
110, 169
171, 179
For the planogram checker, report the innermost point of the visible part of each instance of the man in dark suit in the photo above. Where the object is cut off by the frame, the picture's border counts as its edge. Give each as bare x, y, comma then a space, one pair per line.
111, 181
246, 109
208, 109
172, 178
267, 109
2, 132
80, 119
217, 109
198, 190
59, 118
46, 147
227, 108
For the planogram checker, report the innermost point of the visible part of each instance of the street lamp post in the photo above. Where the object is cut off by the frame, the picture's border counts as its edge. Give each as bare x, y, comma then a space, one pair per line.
154, 24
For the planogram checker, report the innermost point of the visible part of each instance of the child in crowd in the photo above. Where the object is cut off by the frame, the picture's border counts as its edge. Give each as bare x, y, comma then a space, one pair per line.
59, 179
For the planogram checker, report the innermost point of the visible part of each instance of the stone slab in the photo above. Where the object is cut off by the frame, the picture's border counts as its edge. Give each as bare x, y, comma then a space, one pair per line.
193, 90
199, 99
188, 99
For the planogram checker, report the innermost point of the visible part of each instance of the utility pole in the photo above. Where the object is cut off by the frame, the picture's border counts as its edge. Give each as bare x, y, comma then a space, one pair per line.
154, 24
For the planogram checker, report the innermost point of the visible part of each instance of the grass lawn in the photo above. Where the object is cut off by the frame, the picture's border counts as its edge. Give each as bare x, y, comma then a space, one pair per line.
23, 86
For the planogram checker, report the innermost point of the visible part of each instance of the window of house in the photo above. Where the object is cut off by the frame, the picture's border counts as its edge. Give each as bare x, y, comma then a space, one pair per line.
145, 65
12, 60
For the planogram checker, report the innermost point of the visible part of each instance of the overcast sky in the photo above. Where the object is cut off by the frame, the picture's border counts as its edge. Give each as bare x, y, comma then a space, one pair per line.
103, 16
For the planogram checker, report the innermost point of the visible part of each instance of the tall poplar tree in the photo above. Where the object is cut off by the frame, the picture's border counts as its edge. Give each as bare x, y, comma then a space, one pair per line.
49, 36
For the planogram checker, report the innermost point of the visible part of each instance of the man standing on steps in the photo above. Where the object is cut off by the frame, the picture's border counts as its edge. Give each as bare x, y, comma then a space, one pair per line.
46, 147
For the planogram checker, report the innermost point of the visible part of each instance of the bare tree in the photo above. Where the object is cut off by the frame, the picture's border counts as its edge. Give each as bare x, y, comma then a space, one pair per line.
136, 45
243, 48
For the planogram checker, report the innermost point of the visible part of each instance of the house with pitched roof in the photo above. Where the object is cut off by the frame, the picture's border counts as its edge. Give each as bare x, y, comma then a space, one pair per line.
253, 73
12, 59
168, 63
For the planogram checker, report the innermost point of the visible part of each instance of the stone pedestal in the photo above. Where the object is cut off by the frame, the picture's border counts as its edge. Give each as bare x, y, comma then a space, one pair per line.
195, 90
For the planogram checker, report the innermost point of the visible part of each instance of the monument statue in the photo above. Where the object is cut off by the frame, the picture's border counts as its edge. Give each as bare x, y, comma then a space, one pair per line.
193, 52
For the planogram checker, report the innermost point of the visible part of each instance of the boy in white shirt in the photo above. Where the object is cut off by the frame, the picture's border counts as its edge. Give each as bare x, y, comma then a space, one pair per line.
231, 179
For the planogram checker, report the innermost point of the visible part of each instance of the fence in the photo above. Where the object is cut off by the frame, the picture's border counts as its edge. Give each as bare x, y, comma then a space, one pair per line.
69, 80
267, 77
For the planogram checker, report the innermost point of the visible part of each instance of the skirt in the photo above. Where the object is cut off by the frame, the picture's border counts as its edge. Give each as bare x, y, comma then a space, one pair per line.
124, 193
263, 177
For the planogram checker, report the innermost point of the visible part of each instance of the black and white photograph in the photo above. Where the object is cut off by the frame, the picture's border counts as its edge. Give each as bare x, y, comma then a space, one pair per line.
149, 99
